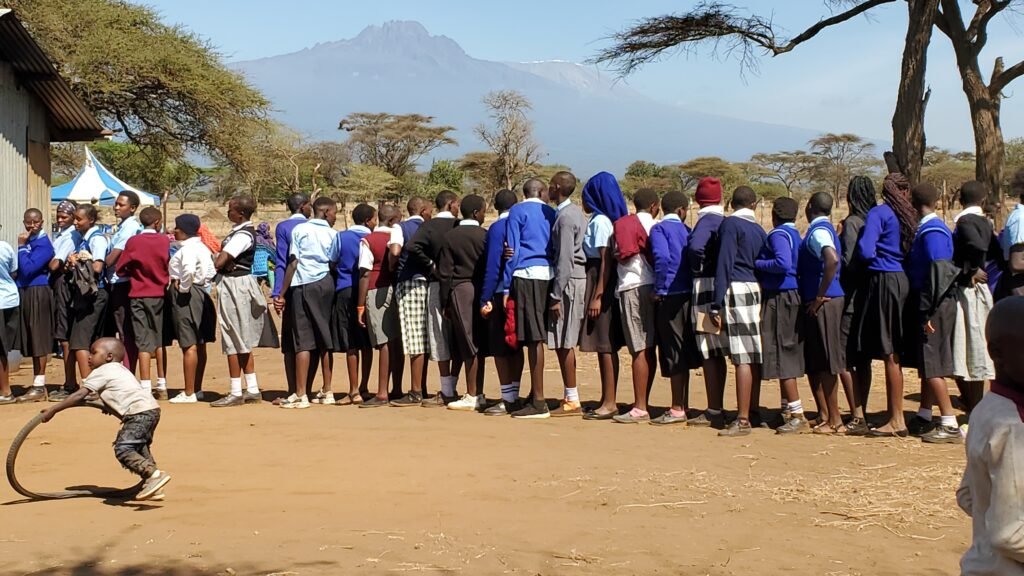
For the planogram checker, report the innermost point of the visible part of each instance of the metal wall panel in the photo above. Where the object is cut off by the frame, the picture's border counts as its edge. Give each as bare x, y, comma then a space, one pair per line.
15, 115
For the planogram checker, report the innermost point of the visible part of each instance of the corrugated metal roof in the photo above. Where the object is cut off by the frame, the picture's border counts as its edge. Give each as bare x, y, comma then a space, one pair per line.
70, 118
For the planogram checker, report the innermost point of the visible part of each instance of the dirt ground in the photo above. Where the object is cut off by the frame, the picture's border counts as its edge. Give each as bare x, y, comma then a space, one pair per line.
342, 490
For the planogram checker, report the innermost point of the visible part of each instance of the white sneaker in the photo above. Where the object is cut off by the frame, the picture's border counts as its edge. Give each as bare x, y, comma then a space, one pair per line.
327, 399
295, 402
183, 398
467, 403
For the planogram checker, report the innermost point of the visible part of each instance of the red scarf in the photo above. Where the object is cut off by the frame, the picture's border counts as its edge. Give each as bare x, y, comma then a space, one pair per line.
1011, 394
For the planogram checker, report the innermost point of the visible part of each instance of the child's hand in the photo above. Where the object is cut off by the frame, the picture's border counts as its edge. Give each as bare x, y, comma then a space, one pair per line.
928, 328
555, 309
47, 414
23, 238
594, 308
716, 318
508, 252
361, 314
485, 311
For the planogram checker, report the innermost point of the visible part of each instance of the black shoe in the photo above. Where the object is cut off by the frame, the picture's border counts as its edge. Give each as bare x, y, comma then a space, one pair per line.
701, 420
857, 427
737, 428
438, 400
374, 402
533, 411
717, 420
943, 435
919, 426
409, 400
498, 409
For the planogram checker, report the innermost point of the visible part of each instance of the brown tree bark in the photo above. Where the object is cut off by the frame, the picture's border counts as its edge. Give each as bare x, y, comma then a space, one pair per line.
908, 139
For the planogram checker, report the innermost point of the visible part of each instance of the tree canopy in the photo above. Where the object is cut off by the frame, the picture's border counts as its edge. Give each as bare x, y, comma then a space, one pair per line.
394, 142
510, 139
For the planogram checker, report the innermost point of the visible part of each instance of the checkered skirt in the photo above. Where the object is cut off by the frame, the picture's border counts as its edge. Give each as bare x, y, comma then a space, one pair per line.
743, 322
710, 345
412, 316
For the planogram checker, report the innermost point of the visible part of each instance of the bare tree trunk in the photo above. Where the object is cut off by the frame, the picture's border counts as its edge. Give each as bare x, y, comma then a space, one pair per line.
908, 139
988, 143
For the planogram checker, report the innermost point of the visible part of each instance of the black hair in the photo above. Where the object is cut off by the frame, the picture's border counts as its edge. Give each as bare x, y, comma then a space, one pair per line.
90, 212
532, 188
415, 205
444, 198
245, 204
645, 198
473, 203
566, 182
973, 193
296, 201
387, 213
673, 201
820, 204
504, 200
34, 212
149, 216
743, 197
924, 194
133, 198
324, 203
362, 213
785, 209
860, 195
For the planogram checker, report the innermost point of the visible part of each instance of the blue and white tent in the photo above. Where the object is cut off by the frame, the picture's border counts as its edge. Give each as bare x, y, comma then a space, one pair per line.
96, 183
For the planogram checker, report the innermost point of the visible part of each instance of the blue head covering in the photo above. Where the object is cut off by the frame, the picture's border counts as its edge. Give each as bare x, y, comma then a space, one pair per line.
603, 195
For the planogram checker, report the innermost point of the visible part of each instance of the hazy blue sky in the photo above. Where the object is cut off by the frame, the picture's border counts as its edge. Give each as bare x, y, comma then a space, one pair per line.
844, 80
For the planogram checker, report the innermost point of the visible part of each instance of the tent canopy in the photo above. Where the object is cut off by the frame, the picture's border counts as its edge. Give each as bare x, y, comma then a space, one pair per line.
96, 183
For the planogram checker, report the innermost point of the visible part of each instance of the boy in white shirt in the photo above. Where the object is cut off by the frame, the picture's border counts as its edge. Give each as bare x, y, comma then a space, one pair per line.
195, 318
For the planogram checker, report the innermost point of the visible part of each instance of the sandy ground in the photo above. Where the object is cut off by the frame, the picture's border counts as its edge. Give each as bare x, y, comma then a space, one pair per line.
341, 490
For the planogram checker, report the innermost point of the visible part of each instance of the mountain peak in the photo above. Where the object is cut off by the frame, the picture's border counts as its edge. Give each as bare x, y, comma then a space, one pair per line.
394, 29
405, 36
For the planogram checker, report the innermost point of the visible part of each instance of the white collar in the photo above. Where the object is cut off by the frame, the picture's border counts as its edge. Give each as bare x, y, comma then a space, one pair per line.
382, 229
825, 218
148, 231
503, 215
746, 214
411, 218
242, 225
671, 218
535, 200
192, 240
445, 214
975, 210
645, 217
927, 219
790, 224
716, 209
565, 203
468, 222
358, 228
298, 216
318, 222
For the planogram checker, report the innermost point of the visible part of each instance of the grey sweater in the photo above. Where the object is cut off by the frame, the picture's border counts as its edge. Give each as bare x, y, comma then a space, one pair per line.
567, 248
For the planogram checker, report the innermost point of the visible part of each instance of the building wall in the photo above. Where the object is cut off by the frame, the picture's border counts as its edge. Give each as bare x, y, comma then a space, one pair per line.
23, 133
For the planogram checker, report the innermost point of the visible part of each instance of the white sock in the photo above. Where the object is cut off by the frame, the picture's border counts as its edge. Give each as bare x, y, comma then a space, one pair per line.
510, 392
795, 407
948, 421
161, 383
146, 384
236, 386
39, 381
925, 414
572, 395
448, 385
251, 386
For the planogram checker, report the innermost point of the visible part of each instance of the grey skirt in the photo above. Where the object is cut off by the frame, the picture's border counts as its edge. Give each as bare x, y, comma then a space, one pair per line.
244, 317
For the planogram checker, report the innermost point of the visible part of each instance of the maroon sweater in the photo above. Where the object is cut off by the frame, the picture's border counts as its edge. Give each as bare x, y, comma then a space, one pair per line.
631, 239
145, 260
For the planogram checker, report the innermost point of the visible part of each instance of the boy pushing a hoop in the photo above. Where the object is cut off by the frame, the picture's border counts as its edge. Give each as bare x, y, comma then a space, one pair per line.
138, 410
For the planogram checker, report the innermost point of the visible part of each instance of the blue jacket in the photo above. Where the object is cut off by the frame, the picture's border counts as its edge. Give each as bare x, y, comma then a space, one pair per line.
702, 251
740, 241
879, 243
283, 239
776, 265
348, 255
494, 262
811, 268
932, 243
405, 270
529, 237
668, 240
34, 261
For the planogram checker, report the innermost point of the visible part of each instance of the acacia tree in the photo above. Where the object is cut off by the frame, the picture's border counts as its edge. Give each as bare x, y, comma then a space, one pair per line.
483, 171
511, 139
394, 142
840, 157
787, 168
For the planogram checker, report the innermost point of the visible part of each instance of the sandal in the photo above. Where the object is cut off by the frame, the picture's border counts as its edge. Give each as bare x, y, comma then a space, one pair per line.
351, 400
824, 428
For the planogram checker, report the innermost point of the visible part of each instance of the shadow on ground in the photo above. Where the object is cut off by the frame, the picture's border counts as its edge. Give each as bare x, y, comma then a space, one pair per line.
97, 566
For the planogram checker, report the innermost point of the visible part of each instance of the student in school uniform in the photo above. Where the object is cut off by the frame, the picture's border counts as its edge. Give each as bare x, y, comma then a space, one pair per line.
602, 328
567, 299
195, 318
377, 308
144, 261
677, 344
424, 249
973, 239
822, 295
702, 255
1011, 240
411, 298
10, 322
300, 210
507, 360
878, 326
244, 317
65, 241
308, 297
782, 334
349, 336
933, 277
736, 302
527, 277
119, 314
993, 480
460, 270
88, 290
635, 290
36, 309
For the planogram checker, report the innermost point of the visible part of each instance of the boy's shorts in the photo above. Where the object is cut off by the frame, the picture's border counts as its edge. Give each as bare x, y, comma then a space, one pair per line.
638, 312
440, 327
564, 333
148, 323
381, 316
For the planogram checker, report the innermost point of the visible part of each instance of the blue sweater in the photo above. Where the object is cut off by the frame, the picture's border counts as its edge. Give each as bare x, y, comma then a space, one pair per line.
494, 247
740, 241
811, 268
529, 237
776, 265
702, 251
879, 243
668, 240
283, 239
933, 242
348, 255
34, 262
406, 269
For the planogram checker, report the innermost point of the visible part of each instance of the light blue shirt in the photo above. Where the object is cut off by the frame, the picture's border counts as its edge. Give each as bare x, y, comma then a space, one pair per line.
314, 248
1014, 232
820, 239
64, 243
98, 246
598, 235
129, 227
8, 266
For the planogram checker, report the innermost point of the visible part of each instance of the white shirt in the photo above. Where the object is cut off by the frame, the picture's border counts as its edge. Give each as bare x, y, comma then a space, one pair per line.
444, 214
314, 249
128, 227
564, 204
746, 214
365, 254
238, 243
118, 389
820, 239
64, 243
397, 236
636, 271
716, 209
975, 210
192, 265
598, 235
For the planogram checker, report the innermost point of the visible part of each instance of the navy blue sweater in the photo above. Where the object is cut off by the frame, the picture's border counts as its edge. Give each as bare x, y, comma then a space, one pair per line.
740, 241
776, 264
34, 261
494, 262
529, 237
811, 268
933, 242
879, 243
668, 240
702, 251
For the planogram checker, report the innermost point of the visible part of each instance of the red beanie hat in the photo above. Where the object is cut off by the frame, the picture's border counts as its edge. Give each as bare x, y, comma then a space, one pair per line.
709, 192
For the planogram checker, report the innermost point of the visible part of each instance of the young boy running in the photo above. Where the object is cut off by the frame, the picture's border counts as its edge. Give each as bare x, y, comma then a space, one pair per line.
567, 303
145, 262
349, 336
65, 241
138, 410
636, 298
677, 346
736, 302
34, 254
195, 319
377, 309
10, 323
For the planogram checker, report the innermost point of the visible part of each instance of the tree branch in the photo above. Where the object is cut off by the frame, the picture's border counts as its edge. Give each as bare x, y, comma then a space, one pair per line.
1001, 79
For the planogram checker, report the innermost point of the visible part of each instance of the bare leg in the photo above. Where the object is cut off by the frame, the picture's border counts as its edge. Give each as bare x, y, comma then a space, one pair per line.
189, 363
383, 372
289, 371
828, 383
862, 387
846, 379
894, 394
940, 394
397, 366
367, 369
82, 357
234, 367
680, 384
161, 362
248, 363
567, 365
5, 377
416, 370
352, 364
70, 382
819, 400
327, 367
145, 366
301, 372
445, 368
641, 376
744, 384
473, 374
714, 382
608, 364
536, 354
200, 366
755, 388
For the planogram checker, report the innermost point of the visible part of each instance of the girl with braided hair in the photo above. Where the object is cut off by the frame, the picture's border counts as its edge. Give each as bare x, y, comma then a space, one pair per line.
878, 329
